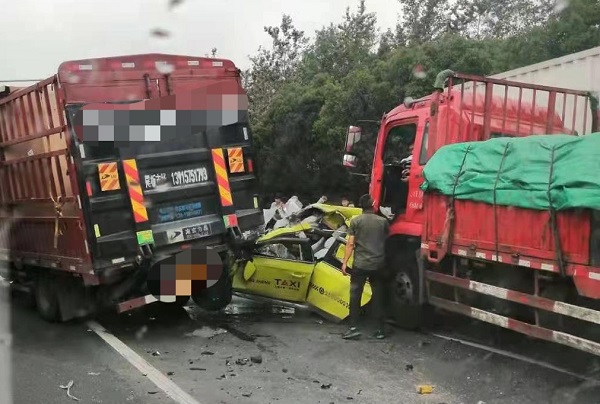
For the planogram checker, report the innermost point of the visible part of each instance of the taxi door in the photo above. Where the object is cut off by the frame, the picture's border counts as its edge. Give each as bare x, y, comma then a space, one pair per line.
329, 291
280, 268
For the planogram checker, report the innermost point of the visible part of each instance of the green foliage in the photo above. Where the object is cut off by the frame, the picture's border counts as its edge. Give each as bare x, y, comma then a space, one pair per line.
305, 94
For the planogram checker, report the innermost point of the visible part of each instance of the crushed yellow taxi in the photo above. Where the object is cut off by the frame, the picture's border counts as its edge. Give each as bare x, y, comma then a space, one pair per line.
301, 263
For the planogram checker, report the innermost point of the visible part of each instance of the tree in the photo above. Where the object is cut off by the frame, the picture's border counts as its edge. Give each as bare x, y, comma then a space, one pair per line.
305, 95
271, 68
340, 48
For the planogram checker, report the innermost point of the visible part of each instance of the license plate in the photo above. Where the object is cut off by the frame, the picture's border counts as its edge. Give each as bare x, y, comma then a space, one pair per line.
175, 178
189, 233
189, 176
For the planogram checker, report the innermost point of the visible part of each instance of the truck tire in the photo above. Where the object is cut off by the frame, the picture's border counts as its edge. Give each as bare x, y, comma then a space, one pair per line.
216, 297
181, 300
46, 298
407, 311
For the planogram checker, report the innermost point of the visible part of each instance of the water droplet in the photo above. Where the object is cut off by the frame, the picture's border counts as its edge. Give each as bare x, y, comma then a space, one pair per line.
419, 72
160, 33
72, 78
560, 5
165, 68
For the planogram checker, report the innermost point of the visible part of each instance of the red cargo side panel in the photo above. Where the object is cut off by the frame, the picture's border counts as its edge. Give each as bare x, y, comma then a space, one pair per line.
37, 196
482, 227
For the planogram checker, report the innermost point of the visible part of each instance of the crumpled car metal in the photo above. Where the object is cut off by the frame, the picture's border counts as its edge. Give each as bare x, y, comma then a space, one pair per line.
300, 263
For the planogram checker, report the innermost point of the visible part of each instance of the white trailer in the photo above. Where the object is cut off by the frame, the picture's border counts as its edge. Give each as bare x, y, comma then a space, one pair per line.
578, 71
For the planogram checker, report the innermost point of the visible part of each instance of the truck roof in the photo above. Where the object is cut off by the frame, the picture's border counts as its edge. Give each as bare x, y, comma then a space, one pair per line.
143, 61
131, 78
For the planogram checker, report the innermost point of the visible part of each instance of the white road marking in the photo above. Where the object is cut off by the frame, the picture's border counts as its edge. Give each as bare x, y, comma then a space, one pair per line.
160, 380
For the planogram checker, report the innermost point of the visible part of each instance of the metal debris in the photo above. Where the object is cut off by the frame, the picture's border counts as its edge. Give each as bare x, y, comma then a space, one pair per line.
425, 389
197, 368
409, 368
170, 373
284, 370
207, 353
93, 374
241, 361
155, 353
326, 386
246, 394
256, 359
68, 388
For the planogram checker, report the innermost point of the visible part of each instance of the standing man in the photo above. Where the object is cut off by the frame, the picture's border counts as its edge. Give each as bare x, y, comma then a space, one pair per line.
345, 202
366, 238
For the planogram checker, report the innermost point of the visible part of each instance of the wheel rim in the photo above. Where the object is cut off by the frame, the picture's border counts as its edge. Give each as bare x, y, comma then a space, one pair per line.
404, 288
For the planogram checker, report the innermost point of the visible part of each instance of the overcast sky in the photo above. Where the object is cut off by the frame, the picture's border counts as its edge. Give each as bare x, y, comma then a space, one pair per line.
37, 35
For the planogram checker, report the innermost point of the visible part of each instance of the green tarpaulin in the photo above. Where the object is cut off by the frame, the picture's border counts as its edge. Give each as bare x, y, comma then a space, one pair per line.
535, 172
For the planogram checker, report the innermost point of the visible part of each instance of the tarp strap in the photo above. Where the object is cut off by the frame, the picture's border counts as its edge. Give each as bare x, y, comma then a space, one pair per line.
451, 213
553, 221
495, 204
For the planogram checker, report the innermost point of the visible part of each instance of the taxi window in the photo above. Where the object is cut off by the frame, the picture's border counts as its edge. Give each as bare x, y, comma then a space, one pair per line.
286, 251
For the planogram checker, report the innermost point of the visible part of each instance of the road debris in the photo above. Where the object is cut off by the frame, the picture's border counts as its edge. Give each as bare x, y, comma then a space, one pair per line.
207, 353
284, 370
206, 332
153, 392
256, 359
424, 389
326, 386
155, 353
246, 394
409, 367
93, 374
320, 322
223, 376
170, 373
68, 388
241, 361
193, 368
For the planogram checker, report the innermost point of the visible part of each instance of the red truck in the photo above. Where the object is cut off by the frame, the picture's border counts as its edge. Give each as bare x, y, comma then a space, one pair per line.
535, 272
170, 169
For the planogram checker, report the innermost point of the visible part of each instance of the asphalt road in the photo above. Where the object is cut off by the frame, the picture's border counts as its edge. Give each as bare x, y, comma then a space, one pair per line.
302, 360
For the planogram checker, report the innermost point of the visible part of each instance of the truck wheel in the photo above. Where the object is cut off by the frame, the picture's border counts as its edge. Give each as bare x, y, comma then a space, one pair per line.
406, 308
46, 298
181, 300
216, 297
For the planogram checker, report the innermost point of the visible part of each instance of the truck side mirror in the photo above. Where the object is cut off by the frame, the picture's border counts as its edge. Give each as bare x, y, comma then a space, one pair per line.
353, 136
350, 160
